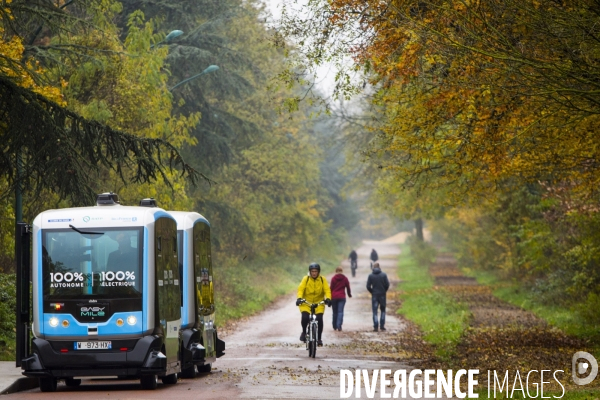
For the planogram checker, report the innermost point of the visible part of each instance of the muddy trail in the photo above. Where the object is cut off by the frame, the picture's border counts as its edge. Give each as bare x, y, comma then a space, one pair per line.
501, 336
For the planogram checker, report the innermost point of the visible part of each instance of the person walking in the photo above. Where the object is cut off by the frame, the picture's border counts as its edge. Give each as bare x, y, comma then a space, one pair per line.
313, 289
353, 257
374, 257
378, 285
339, 285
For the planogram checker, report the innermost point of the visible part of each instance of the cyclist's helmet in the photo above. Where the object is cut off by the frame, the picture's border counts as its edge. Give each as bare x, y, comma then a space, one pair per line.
314, 266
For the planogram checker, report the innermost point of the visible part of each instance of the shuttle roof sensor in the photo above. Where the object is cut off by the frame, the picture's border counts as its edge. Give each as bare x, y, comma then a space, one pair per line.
150, 202
107, 199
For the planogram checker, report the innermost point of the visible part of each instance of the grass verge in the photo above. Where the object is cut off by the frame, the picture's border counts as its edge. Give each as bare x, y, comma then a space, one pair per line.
441, 318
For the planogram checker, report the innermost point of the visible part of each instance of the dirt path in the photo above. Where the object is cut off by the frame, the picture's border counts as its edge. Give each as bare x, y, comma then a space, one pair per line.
269, 361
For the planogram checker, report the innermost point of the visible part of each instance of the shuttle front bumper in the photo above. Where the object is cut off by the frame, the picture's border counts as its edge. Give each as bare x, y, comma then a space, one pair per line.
49, 359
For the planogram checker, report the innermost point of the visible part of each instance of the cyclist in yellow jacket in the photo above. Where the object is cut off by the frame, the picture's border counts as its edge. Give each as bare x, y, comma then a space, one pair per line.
314, 289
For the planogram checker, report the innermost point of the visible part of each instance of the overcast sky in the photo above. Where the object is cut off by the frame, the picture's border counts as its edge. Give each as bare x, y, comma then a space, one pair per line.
325, 81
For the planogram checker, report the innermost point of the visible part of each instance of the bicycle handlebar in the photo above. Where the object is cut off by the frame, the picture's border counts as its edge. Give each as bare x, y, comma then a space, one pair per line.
312, 304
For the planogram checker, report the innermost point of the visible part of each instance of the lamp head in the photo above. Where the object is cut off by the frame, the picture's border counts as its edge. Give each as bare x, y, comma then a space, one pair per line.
210, 68
173, 34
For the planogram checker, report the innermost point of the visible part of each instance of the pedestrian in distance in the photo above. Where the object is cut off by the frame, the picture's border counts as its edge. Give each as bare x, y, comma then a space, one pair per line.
378, 285
339, 287
353, 257
314, 289
374, 257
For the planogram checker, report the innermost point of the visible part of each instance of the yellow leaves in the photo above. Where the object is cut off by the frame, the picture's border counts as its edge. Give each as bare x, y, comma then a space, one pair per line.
11, 49
12, 66
309, 206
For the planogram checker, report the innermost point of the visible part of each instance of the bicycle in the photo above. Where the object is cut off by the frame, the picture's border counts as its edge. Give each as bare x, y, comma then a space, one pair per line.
353, 267
312, 329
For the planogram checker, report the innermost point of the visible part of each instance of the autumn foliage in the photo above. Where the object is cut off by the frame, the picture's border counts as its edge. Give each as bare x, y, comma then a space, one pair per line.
487, 112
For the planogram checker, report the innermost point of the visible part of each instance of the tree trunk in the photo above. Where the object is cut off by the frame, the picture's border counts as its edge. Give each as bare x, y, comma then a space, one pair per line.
419, 229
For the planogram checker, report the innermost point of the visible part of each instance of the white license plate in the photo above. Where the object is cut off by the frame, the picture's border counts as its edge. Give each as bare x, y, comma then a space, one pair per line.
93, 345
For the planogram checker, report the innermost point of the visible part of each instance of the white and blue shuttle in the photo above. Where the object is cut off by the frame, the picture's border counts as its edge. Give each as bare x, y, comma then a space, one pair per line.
117, 291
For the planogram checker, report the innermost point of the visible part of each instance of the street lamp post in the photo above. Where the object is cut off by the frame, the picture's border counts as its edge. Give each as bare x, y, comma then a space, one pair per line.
209, 69
172, 35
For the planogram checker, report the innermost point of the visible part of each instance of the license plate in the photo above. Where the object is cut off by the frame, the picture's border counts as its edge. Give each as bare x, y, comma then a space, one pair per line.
93, 345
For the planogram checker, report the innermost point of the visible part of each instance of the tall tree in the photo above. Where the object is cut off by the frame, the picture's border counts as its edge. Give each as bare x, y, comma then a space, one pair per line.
265, 198
36, 123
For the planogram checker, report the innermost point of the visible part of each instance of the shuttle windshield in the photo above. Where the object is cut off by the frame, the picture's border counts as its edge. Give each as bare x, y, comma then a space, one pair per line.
105, 263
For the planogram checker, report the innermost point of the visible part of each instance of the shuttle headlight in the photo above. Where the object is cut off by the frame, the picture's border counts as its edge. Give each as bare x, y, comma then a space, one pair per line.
120, 322
131, 320
53, 322
65, 323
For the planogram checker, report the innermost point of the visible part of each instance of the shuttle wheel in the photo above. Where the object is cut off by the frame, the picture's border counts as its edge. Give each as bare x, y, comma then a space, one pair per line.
48, 384
204, 368
188, 373
148, 382
70, 382
169, 379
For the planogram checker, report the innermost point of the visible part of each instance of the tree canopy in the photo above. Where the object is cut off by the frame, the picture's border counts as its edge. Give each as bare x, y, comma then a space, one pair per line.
104, 80
476, 94
47, 144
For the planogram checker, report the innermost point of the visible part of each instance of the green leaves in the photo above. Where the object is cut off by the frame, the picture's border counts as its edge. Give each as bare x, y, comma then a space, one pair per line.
66, 152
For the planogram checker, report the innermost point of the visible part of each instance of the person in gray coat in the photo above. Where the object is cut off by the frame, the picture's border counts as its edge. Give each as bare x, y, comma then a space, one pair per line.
378, 285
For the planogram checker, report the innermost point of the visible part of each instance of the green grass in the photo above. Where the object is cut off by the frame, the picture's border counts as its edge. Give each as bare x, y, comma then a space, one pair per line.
7, 349
414, 277
7, 316
442, 319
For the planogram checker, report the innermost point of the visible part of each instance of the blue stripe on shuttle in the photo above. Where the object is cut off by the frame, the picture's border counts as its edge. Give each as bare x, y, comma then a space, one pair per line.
202, 219
161, 214
145, 297
183, 281
40, 287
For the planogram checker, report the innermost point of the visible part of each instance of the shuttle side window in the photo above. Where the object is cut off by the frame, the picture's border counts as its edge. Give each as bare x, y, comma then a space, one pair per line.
167, 272
203, 269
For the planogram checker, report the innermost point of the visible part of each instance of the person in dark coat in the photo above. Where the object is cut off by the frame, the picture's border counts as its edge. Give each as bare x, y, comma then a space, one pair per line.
353, 262
353, 256
339, 285
378, 285
374, 257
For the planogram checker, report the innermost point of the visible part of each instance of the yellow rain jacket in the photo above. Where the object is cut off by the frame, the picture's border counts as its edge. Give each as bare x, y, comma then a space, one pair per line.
314, 291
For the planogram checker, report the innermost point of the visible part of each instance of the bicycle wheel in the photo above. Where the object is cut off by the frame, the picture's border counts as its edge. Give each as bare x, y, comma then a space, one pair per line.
312, 349
307, 337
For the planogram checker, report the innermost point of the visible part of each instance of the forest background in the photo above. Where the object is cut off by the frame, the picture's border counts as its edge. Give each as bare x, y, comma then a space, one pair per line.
479, 118
483, 121
101, 95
